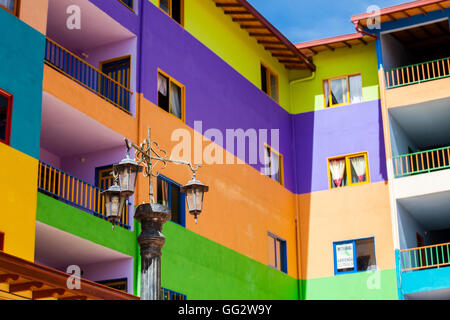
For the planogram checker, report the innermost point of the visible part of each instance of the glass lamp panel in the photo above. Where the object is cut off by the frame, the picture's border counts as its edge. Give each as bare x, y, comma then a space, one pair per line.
198, 194
115, 206
108, 204
190, 198
124, 178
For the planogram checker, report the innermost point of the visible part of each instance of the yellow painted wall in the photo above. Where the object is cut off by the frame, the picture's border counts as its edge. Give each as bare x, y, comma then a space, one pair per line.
18, 196
219, 33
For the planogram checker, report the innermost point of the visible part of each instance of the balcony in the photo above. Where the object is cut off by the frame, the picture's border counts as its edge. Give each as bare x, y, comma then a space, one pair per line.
167, 294
422, 162
417, 73
427, 257
112, 90
99, 53
75, 192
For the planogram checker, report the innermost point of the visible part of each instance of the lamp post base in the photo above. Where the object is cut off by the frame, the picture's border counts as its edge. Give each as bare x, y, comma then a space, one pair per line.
152, 218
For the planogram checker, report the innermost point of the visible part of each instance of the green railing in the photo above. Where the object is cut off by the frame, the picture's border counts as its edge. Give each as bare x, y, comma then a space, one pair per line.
422, 162
435, 256
417, 73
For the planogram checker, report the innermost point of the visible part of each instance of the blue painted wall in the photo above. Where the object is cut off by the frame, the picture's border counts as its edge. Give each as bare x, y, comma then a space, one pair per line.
21, 74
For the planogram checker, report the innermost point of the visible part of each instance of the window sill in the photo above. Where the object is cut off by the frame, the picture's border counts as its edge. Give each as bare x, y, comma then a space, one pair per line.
351, 185
353, 272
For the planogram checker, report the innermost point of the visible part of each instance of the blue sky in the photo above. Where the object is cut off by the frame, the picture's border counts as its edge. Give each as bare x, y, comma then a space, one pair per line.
304, 20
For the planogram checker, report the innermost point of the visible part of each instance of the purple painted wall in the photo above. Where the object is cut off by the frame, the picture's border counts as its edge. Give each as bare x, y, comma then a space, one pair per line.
120, 13
334, 132
216, 94
224, 99
111, 270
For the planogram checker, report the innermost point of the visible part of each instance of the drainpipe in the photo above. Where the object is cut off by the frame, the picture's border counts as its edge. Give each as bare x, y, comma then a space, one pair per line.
297, 220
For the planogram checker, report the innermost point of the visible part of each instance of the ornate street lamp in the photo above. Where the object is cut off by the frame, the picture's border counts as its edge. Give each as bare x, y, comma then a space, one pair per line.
151, 216
127, 171
195, 191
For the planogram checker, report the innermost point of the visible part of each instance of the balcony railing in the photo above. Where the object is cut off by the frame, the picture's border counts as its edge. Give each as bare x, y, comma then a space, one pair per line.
167, 294
435, 256
422, 162
66, 188
88, 76
417, 73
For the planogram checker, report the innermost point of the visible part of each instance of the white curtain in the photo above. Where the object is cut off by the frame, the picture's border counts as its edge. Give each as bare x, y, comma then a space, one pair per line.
8, 4
267, 162
175, 100
337, 168
327, 93
275, 166
162, 84
359, 165
355, 89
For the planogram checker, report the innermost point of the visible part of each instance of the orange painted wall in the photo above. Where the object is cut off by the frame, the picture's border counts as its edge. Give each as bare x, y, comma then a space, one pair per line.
418, 93
87, 102
344, 214
241, 206
34, 13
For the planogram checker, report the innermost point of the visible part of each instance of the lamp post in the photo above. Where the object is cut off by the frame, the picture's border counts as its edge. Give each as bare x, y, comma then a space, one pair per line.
152, 216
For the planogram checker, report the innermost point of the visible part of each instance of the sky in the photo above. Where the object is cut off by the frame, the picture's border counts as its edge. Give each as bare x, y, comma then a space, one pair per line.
305, 20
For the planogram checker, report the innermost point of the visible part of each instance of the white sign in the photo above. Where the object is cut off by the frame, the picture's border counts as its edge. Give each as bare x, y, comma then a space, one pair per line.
344, 256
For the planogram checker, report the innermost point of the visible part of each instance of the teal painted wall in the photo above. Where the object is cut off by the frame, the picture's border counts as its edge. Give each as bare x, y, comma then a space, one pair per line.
379, 285
21, 74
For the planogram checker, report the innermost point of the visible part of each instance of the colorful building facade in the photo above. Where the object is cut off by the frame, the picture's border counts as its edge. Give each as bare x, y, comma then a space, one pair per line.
298, 144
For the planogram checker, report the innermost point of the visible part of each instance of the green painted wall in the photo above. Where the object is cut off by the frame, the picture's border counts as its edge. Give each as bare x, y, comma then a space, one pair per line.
308, 95
204, 270
232, 44
191, 264
84, 225
379, 285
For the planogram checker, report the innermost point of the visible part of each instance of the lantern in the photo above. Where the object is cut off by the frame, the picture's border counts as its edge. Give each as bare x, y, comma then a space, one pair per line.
194, 191
114, 203
127, 171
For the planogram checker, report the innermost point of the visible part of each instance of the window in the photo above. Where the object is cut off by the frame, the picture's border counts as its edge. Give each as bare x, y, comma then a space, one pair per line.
343, 90
2, 241
119, 70
168, 194
174, 8
354, 256
170, 95
277, 252
348, 170
273, 164
128, 3
119, 284
11, 6
5, 116
269, 82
